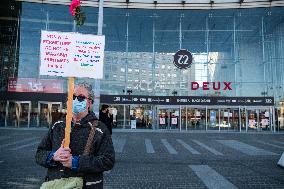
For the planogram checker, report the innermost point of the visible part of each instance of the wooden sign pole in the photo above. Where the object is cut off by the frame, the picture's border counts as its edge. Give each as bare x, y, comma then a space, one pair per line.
69, 111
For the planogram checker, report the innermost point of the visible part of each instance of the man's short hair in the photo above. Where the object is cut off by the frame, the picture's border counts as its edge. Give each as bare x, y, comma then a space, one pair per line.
104, 106
89, 89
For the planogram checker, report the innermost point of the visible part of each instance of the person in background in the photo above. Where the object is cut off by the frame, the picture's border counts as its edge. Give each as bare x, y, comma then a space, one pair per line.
106, 117
55, 116
73, 162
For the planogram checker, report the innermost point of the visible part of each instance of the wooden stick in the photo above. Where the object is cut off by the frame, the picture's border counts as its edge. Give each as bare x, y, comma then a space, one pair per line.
69, 111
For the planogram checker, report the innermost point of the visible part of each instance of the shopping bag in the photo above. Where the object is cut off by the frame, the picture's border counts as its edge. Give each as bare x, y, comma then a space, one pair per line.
64, 183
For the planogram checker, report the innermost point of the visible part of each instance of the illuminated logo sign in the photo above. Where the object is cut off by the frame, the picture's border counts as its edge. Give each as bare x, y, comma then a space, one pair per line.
183, 59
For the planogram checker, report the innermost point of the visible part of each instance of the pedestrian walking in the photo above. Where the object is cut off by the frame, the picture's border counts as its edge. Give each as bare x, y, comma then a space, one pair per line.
106, 117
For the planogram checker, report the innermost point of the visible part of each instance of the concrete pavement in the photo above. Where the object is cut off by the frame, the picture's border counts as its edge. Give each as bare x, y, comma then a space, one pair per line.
161, 160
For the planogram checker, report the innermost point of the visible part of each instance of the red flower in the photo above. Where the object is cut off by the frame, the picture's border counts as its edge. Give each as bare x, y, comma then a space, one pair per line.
77, 13
74, 4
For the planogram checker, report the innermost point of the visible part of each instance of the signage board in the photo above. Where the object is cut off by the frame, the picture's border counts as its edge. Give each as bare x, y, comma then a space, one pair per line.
35, 85
174, 121
183, 59
162, 121
187, 100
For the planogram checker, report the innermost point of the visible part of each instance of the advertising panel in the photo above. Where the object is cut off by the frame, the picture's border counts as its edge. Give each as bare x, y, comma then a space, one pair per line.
35, 85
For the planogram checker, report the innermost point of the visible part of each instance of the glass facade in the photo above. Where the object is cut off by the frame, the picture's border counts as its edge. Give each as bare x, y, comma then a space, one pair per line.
241, 46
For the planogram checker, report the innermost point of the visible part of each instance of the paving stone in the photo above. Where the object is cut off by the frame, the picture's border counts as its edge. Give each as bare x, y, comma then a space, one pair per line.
135, 168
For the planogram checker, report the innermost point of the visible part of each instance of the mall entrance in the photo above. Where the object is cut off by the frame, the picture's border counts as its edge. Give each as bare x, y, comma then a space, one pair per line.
168, 117
134, 116
233, 119
224, 118
193, 118
18, 113
29, 113
208, 113
260, 119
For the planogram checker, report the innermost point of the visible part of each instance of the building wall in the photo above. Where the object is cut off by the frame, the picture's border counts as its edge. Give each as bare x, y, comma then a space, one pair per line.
9, 40
242, 46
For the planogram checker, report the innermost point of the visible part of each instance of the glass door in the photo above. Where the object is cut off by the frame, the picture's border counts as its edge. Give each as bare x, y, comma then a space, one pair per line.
168, 117
260, 119
202, 120
229, 119
184, 118
196, 119
49, 113
121, 117
234, 120
280, 113
265, 120
192, 119
2, 113
163, 118
44, 116
213, 119
174, 118
253, 121
243, 118
18, 113
10, 119
224, 119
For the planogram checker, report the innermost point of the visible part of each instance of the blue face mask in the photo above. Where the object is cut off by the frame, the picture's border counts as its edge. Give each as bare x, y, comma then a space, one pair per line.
79, 107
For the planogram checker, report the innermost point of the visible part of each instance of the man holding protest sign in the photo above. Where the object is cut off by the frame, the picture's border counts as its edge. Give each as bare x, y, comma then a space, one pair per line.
90, 151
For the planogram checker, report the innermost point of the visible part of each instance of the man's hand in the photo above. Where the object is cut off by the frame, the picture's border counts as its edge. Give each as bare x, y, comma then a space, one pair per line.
68, 162
62, 154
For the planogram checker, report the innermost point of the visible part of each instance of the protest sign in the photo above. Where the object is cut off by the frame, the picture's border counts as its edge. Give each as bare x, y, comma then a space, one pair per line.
71, 54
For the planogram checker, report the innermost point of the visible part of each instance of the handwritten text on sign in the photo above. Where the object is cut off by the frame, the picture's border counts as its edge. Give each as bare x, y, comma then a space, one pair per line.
71, 54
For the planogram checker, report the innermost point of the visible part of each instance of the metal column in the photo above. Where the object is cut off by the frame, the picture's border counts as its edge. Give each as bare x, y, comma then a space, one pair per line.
179, 118
206, 118
273, 118
186, 117
219, 121
97, 90
246, 114
240, 119
126, 69
7, 113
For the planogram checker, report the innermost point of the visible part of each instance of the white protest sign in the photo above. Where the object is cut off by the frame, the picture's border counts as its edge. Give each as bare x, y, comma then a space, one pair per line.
71, 54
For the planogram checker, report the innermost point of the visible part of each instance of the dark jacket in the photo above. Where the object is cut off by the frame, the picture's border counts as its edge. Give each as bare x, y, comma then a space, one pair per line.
107, 120
91, 167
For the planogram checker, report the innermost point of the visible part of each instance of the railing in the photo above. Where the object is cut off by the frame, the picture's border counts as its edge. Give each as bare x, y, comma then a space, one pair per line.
170, 4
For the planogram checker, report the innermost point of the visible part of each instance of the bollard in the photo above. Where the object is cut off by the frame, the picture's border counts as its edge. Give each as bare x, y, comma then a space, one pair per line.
281, 161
